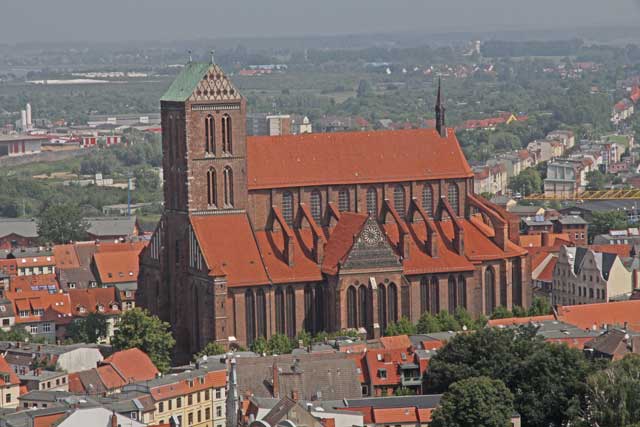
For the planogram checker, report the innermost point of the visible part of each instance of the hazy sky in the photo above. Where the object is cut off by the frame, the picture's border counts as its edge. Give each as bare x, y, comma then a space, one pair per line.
115, 20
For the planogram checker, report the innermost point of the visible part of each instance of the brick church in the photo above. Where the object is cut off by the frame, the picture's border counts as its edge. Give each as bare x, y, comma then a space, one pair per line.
316, 232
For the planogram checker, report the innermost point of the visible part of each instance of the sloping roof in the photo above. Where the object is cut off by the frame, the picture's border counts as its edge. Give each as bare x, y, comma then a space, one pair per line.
6, 369
353, 157
133, 364
38, 282
279, 411
546, 275
229, 248
111, 226
342, 239
200, 81
117, 267
20, 227
399, 342
611, 314
92, 298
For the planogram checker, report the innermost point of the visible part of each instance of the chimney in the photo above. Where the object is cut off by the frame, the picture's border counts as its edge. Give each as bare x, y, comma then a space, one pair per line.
545, 239
276, 380
114, 420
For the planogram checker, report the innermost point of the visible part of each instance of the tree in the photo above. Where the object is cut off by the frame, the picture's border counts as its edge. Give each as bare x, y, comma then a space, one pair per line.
527, 182
547, 380
474, 402
603, 222
364, 89
597, 180
58, 223
259, 346
404, 391
539, 307
428, 323
401, 327
89, 329
211, 349
279, 344
614, 394
139, 329
147, 180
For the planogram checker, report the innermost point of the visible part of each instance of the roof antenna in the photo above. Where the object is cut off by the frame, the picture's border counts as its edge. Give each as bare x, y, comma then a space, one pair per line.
212, 59
190, 56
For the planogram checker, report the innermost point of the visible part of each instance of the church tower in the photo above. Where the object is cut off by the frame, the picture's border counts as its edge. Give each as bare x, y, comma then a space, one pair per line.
441, 125
204, 142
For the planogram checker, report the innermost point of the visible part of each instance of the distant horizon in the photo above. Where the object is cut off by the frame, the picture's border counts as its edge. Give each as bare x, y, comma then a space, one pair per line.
167, 20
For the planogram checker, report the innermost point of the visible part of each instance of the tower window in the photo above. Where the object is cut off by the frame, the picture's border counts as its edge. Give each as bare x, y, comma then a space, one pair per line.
210, 135
287, 207
399, 199
227, 132
427, 199
343, 200
212, 194
372, 201
316, 207
228, 187
454, 197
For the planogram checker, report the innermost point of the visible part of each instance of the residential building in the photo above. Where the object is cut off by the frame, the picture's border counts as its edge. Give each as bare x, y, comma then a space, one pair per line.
622, 111
545, 150
613, 345
195, 397
45, 380
537, 225
324, 244
120, 271
7, 315
42, 314
104, 301
112, 228
574, 226
567, 138
9, 386
286, 411
68, 358
18, 233
630, 236
583, 276
490, 179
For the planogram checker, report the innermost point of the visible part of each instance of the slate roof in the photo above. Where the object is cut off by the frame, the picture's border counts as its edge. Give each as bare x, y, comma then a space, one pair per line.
21, 227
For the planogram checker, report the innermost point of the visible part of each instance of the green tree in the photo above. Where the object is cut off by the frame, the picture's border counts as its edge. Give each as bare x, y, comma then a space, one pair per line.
211, 349
597, 180
259, 346
501, 312
448, 321
540, 306
139, 329
279, 344
89, 329
614, 394
147, 180
603, 222
401, 327
364, 89
61, 223
527, 182
428, 323
547, 380
404, 391
479, 401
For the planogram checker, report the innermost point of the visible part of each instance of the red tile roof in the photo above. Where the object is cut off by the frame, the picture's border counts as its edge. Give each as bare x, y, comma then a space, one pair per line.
229, 248
395, 415
620, 250
91, 299
399, 342
511, 321
35, 261
389, 360
117, 267
182, 388
57, 307
133, 364
353, 157
34, 283
546, 275
66, 256
6, 369
613, 313
341, 240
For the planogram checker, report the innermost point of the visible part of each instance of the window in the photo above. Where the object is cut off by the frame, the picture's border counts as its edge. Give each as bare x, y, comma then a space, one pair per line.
343, 200
179, 402
427, 199
228, 187
190, 398
372, 201
362, 307
382, 307
280, 311
392, 305
218, 393
489, 289
8, 398
170, 404
212, 193
453, 198
207, 413
291, 312
46, 327
190, 418
316, 206
34, 329
227, 131
399, 199
382, 373
161, 407
206, 394
210, 134
351, 307
199, 416
218, 411
287, 208
71, 285
452, 294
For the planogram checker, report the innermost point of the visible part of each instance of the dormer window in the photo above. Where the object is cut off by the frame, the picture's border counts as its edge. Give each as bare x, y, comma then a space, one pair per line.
100, 307
382, 373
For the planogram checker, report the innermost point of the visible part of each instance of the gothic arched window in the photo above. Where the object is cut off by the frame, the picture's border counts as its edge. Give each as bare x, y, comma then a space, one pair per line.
399, 202
393, 302
382, 308
352, 315
291, 312
250, 316
372, 201
344, 200
287, 208
210, 134
434, 296
227, 132
427, 199
516, 282
309, 312
362, 306
228, 187
212, 192
316, 206
452, 294
424, 295
261, 313
489, 290
462, 292
280, 311
454, 198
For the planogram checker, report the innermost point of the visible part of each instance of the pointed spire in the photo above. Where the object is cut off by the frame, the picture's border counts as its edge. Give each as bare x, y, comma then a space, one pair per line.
212, 58
190, 56
441, 125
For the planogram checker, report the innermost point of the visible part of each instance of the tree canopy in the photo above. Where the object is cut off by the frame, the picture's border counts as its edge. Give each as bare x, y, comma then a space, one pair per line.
61, 223
473, 402
139, 329
89, 329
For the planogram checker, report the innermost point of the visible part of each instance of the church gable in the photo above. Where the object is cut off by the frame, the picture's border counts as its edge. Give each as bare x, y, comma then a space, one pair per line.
371, 249
201, 82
